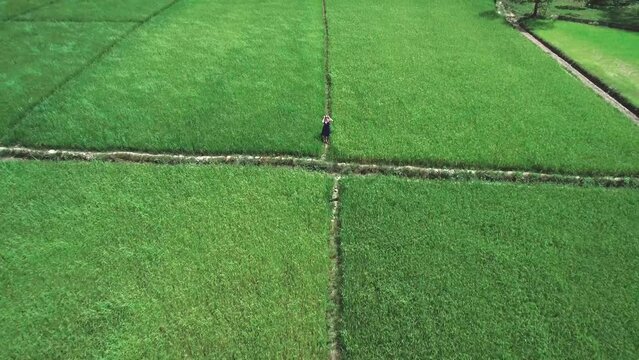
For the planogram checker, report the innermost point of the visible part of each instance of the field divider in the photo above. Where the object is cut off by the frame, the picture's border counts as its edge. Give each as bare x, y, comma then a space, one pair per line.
627, 107
315, 164
566, 63
328, 81
38, 7
77, 21
88, 64
334, 314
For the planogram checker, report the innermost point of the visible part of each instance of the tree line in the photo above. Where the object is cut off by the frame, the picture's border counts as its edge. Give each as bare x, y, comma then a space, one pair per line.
541, 5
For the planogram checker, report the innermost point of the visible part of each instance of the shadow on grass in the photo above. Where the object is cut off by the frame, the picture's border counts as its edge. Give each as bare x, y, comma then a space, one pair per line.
538, 24
570, 7
490, 15
623, 15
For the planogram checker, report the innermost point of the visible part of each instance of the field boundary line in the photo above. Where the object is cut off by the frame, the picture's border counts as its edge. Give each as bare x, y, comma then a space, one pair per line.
618, 97
583, 76
328, 80
315, 164
334, 314
38, 7
48, 21
101, 54
579, 75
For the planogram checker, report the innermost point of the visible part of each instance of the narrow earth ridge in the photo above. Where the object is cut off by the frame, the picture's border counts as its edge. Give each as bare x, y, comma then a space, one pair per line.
334, 315
513, 21
315, 164
328, 82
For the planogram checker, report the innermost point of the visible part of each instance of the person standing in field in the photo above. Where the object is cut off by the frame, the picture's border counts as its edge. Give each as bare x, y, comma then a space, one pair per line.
326, 128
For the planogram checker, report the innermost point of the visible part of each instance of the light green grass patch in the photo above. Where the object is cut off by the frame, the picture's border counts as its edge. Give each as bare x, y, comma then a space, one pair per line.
148, 261
478, 270
202, 77
97, 10
610, 54
36, 58
451, 84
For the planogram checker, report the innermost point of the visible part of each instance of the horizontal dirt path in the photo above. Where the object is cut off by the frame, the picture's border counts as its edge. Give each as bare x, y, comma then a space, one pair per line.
315, 164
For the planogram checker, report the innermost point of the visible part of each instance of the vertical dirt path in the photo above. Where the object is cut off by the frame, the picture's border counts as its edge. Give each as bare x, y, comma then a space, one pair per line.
334, 314
328, 82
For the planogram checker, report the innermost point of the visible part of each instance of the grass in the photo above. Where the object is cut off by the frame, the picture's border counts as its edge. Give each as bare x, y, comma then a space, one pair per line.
607, 53
12, 8
102, 260
625, 15
106, 260
36, 58
477, 270
450, 84
201, 77
97, 10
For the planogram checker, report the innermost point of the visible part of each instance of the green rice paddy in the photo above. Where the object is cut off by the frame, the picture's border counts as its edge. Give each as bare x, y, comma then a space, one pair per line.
147, 261
412, 84
610, 54
13, 8
476, 270
124, 260
94, 10
200, 77
450, 84
36, 58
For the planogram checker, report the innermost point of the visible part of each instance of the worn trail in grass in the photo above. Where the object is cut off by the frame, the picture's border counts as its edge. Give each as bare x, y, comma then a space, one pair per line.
148, 261
36, 58
222, 77
448, 270
13, 8
96, 10
450, 83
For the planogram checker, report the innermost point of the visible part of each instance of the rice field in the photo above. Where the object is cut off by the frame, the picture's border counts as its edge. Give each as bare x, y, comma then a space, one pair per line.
610, 54
96, 10
148, 261
295, 256
450, 84
412, 84
476, 270
35, 59
13, 8
200, 77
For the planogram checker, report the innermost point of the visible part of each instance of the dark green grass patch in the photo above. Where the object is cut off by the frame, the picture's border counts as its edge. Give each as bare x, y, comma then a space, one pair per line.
478, 270
610, 54
12, 8
622, 15
35, 58
451, 84
141, 261
202, 77
97, 10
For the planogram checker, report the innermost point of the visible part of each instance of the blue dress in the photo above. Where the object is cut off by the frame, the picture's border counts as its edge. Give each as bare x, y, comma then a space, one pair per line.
326, 129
